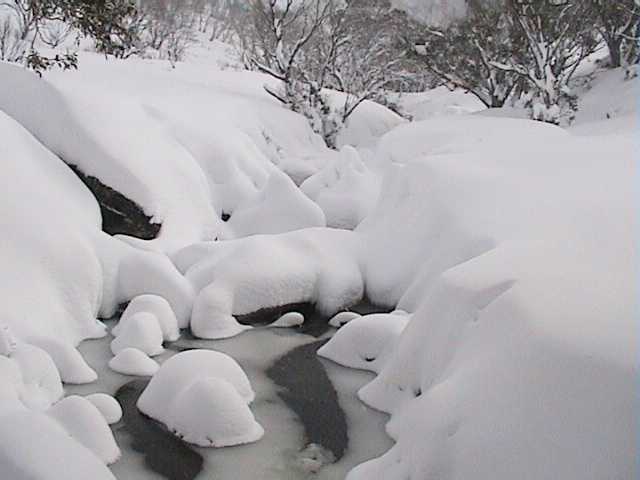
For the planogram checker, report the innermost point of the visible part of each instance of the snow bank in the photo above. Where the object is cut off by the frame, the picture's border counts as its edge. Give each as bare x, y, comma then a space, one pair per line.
439, 102
107, 406
202, 396
239, 277
521, 270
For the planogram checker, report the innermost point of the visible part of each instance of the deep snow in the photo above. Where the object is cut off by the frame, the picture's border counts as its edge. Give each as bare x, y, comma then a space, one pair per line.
510, 247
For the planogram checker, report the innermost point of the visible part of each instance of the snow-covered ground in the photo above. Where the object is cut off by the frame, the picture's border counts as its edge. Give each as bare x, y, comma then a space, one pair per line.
509, 246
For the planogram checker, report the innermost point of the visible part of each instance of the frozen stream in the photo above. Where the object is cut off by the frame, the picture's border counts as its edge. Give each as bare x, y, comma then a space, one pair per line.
282, 453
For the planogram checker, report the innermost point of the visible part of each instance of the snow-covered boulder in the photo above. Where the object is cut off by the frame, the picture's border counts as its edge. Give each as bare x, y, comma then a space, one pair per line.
289, 320
194, 385
343, 318
131, 361
85, 423
159, 307
72, 367
107, 405
365, 342
211, 413
345, 189
280, 207
318, 266
141, 331
41, 381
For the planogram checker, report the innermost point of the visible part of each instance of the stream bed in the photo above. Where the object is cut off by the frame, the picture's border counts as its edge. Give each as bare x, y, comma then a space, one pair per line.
315, 426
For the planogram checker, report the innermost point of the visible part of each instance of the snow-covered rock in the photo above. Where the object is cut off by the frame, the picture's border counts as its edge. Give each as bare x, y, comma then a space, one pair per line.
203, 396
41, 381
131, 361
345, 189
141, 331
343, 318
365, 342
318, 266
289, 320
72, 367
211, 413
85, 423
280, 207
107, 405
157, 306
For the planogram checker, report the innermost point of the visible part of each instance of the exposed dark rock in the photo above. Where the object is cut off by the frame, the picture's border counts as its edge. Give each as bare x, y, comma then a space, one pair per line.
308, 391
120, 215
164, 453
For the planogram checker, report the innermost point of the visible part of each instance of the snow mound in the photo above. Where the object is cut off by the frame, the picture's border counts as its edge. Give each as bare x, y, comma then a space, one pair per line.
211, 413
280, 207
131, 361
440, 102
289, 320
42, 386
365, 342
141, 331
182, 370
85, 423
72, 367
157, 306
23, 432
107, 405
345, 189
318, 266
367, 123
198, 381
343, 318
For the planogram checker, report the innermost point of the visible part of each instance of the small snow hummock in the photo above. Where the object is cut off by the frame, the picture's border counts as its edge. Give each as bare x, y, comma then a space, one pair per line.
289, 320
107, 405
42, 385
227, 419
366, 342
72, 367
131, 361
202, 396
86, 424
141, 331
343, 318
159, 307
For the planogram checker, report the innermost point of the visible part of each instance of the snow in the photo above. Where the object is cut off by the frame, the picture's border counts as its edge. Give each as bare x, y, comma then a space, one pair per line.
289, 320
228, 420
41, 384
439, 102
198, 381
343, 318
278, 208
85, 423
141, 331
315, 265
366, 342
345, 189
107, 405
159, 308
131, 361
71, 366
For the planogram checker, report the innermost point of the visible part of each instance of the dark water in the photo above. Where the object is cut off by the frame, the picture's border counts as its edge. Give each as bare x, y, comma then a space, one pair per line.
164, 453
308, 391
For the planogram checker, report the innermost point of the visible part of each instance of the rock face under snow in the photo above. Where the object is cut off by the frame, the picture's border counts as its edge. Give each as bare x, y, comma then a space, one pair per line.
131, 361
203, 396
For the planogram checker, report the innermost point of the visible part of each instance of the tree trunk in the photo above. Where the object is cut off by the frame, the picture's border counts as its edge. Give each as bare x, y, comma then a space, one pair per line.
615, 52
